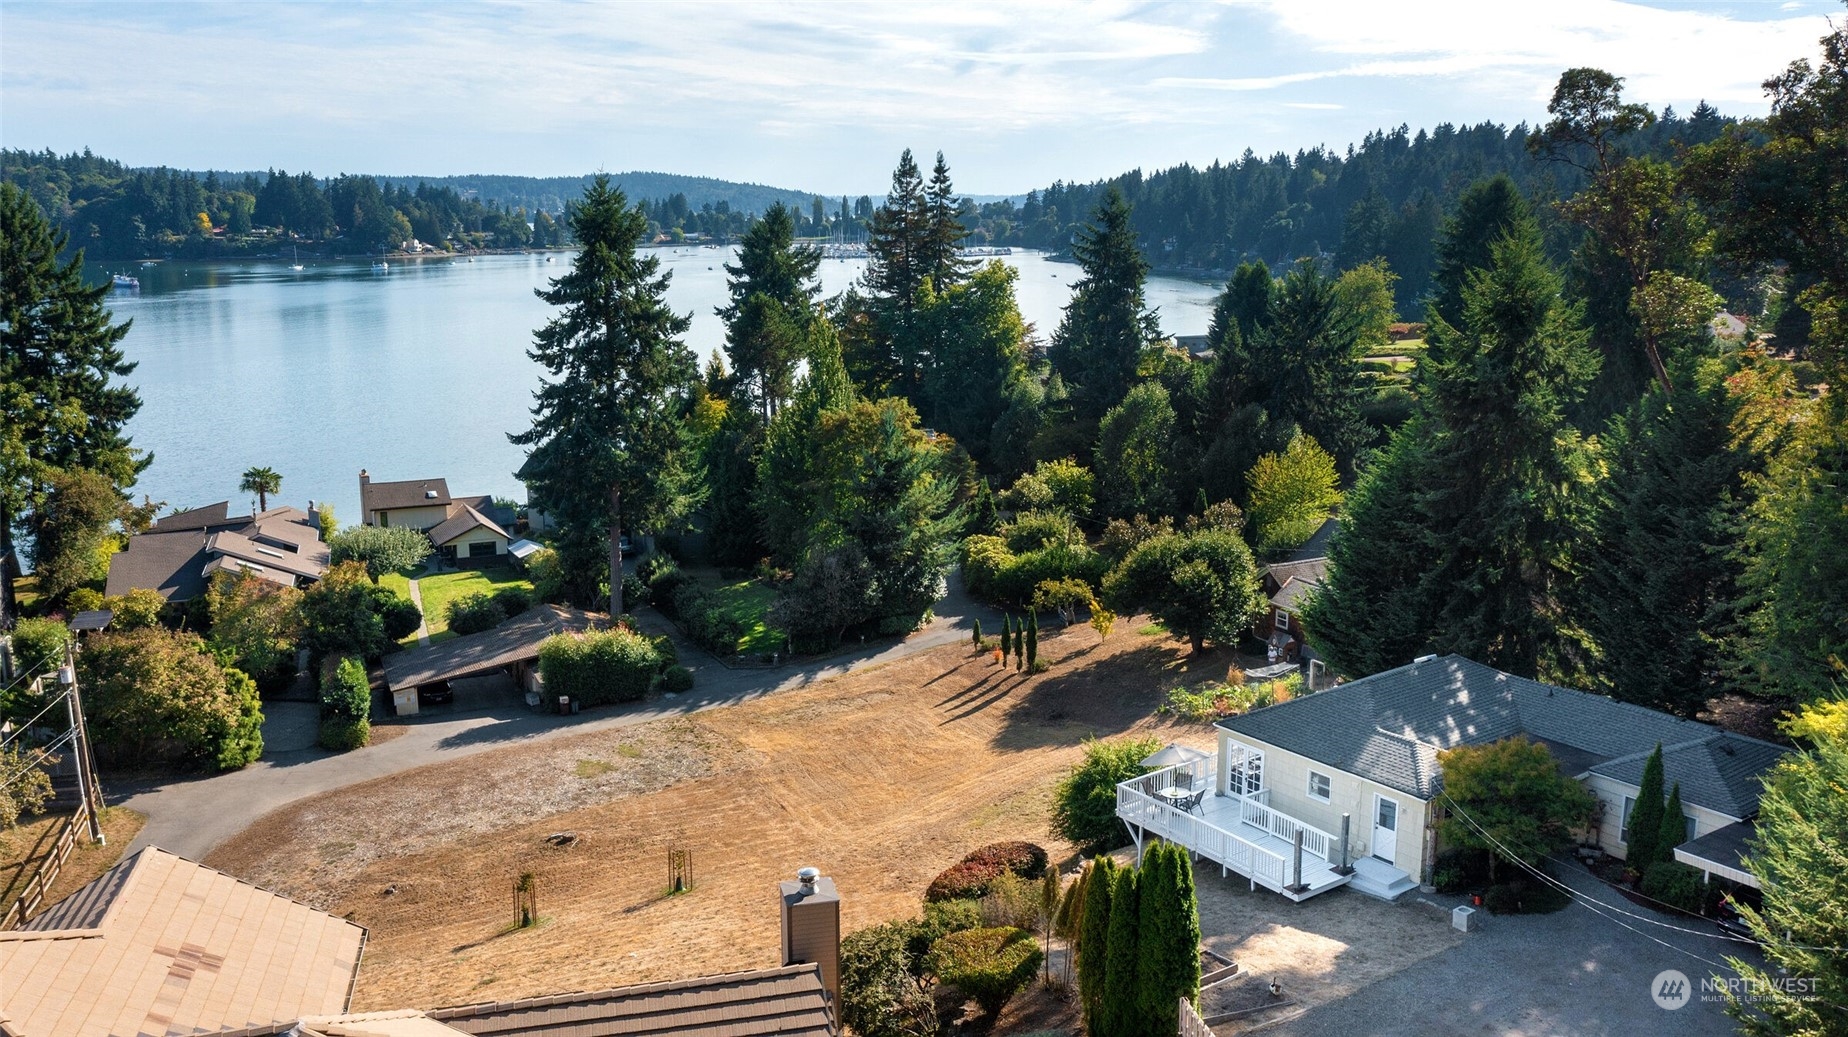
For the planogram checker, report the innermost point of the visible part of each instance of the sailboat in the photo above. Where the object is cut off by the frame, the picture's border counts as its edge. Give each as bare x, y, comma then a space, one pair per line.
298, 258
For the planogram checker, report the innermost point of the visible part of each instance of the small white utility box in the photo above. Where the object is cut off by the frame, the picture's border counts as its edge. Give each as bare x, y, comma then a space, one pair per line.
1463, 919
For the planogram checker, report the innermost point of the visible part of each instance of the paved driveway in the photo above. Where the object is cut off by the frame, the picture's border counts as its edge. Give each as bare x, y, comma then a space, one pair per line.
189, 816
1568, 973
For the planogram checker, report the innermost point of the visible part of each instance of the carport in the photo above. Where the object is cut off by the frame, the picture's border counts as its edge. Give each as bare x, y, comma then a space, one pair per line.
512, 647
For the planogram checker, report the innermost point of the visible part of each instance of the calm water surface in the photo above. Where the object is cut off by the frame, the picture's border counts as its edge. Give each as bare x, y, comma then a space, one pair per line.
416, 372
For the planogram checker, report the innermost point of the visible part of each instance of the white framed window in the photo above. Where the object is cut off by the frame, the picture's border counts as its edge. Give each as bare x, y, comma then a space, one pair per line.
1246, 776
1318, 786
1283, 622
1629, 804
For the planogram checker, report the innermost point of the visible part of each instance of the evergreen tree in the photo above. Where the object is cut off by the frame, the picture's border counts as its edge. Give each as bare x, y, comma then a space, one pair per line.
607, 439
1007, 637
1094, 941
1107, 325
1312, 351
1674, 827
1119, 1013
1168, 936
1032, 640
1802, 826
1658, 569
975, 635
1246, 303
978, 355
731, 460
773, 289
1487, 211
60, 361
886, 356
1645, 827
944, 231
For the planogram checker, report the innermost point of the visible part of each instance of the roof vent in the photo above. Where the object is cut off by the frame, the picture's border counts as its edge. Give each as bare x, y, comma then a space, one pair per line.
429, 495
1423, 659
808, 876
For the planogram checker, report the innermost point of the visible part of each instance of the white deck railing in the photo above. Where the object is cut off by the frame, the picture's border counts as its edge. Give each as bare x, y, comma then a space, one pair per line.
1285, 827
1138, 805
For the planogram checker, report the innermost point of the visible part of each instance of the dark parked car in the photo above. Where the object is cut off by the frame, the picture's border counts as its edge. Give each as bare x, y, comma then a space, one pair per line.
431, 694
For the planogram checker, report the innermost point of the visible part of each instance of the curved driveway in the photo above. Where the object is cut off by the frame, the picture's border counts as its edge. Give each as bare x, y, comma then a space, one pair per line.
189, 816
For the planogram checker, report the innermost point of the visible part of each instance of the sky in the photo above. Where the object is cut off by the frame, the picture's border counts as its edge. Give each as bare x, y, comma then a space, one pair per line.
823, 96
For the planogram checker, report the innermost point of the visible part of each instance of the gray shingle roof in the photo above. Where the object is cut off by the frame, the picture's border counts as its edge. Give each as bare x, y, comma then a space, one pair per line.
789, 1001
1720, 773
407, 493
178, 561
1295, 591
515, 640
462, 518
1314, 570
1390, 727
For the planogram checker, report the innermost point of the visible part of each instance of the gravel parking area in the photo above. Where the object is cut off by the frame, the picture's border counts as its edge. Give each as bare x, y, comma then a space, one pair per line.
1573, 972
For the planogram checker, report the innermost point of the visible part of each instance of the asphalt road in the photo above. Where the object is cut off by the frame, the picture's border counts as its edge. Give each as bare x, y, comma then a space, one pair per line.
189, 816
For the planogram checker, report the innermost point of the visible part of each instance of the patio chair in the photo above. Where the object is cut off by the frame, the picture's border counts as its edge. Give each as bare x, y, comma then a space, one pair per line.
1181, 779
1192, 803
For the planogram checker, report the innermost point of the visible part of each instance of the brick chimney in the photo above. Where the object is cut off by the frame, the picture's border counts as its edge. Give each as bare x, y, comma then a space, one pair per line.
812, 927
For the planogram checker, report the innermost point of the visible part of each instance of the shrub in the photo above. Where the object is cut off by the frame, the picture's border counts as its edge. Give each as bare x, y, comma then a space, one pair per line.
1024, 859
381, 549
664, 647
473, 613
514, 600
983, 559
1466, 867
988, 965
136, 609
1084, 804
1011, 901
158, 696
653, 567
1037, 529
27, 791
84, 599
676, 679
1064, 597
1523, 898
547, 573
38, 645
598, 666
961, 881
635, 592
1675, 884
346, 707
880, 992
344, 735
400, 616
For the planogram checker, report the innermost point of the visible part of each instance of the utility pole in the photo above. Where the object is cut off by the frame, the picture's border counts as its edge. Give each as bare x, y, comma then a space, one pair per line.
87, 788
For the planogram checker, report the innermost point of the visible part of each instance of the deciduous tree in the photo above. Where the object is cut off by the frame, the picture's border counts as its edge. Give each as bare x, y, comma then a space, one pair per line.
1291, 495
1509, 798
381, 549
1203, 585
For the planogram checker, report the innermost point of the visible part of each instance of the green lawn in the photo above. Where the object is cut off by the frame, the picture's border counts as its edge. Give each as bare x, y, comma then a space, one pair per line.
442, 588
748, 601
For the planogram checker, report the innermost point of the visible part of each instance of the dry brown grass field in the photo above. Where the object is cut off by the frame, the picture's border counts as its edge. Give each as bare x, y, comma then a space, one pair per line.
881, 778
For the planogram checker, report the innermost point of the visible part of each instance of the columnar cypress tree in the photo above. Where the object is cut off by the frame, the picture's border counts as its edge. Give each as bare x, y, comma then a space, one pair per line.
1120, 1013
607, 437
1094, 941
1032, 640
976, 636
1674, 828
1020, 645
1168, 962
1646, 817
1007, 638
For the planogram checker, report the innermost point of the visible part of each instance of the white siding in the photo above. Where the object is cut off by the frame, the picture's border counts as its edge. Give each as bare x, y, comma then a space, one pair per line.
1286, 776
1609, 834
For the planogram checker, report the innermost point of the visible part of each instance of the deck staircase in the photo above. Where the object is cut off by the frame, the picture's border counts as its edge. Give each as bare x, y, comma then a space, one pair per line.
1380, 880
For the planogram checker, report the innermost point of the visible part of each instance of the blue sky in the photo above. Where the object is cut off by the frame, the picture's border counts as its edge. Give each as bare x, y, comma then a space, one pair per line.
822, 96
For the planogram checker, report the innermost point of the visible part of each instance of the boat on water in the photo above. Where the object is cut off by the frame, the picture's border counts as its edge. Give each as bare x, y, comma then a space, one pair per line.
380, 267
297, 265
125, 281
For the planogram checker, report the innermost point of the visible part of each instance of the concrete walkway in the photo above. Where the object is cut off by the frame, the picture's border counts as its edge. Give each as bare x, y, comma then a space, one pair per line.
423, 622
189, 816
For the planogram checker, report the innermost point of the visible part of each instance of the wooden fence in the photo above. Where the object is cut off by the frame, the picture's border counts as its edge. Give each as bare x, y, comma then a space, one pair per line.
1191, 1023
39, 884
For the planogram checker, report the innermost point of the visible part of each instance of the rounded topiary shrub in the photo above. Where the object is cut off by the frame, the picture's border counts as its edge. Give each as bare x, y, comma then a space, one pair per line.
676, 679
987, 965
598, 666
513, 600
1024, 859
961, 881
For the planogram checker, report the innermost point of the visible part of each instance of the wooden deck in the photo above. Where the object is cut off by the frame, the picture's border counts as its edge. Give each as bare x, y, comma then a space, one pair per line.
1242, 836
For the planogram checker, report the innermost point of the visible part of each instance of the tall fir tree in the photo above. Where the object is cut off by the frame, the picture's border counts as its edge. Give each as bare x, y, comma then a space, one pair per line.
1486, 211
944, 231
1658, 569
883, 354
772, 300
60, 364
1312, 353
607, 442
1107, 324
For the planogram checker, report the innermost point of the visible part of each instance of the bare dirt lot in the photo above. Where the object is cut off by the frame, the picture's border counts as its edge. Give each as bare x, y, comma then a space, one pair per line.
881, 778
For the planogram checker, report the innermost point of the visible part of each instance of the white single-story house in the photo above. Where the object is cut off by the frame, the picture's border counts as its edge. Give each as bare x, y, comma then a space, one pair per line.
1361, 761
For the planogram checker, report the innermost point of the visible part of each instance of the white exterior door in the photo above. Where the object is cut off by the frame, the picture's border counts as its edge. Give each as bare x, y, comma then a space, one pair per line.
1385, 828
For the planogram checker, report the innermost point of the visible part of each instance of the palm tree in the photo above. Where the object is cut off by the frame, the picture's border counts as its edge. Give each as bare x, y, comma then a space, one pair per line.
262, 482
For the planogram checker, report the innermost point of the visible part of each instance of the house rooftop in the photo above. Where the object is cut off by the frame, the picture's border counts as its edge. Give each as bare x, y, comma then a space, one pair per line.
462, 518
1390, 728
513, 641
789, 1001
407, 493
159, 944
177, 560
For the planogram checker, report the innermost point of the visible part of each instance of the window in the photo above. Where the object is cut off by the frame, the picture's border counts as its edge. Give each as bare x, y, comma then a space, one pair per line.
1318, 786
1283, 622
1629, 803
482, 548
1247, 771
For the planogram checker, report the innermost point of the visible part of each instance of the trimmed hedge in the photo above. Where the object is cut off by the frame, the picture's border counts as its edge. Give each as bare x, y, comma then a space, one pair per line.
1675, 884
994, 573
676, 679
346, 707
973, 876
598, 666
988, 965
